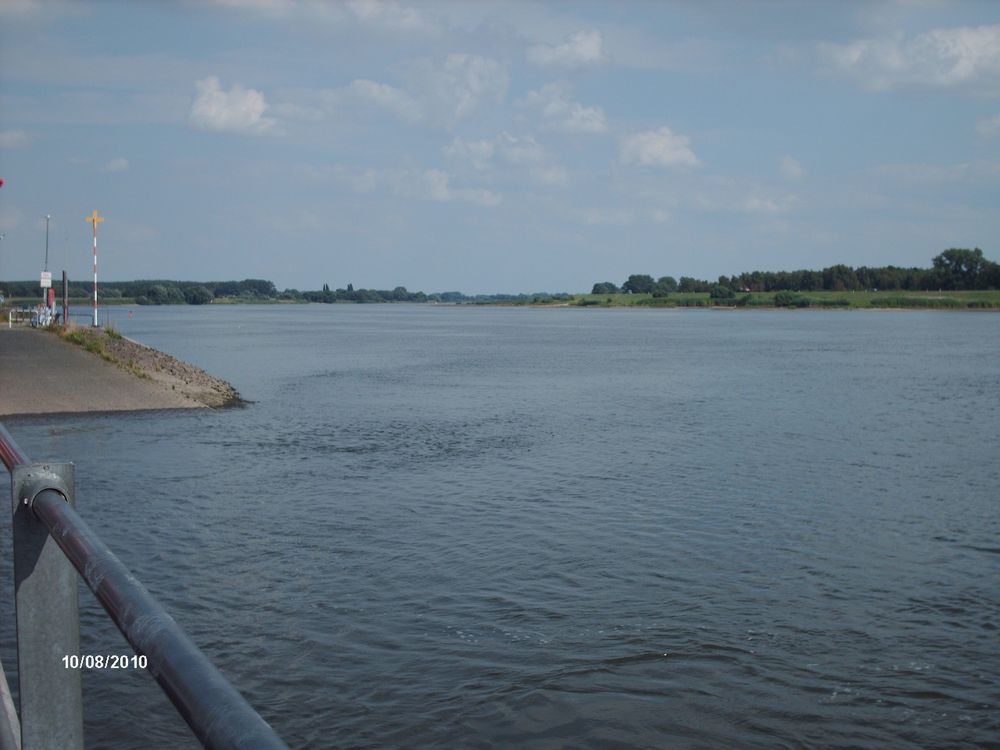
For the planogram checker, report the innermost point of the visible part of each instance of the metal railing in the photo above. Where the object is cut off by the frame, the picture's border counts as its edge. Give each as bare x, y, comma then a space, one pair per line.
51, 544
22, 317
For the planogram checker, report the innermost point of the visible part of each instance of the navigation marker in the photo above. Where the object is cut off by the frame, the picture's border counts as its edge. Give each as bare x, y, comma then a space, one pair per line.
95, 220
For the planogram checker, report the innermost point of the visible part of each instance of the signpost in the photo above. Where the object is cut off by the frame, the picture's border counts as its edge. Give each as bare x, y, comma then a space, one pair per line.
95, 220
46, 279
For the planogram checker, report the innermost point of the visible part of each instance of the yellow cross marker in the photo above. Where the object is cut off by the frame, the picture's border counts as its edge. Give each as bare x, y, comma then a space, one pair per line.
94, 218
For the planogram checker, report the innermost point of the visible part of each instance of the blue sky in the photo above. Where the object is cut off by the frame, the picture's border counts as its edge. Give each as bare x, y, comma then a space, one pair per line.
494, 146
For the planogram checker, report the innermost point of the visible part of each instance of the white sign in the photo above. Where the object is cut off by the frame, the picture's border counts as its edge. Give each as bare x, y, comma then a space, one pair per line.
46, 279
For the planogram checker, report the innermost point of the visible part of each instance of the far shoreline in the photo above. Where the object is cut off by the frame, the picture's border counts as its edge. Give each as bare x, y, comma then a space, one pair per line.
950, 301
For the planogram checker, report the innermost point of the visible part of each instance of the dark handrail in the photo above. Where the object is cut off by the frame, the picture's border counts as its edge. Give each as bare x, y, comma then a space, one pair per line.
9, 452
218, 715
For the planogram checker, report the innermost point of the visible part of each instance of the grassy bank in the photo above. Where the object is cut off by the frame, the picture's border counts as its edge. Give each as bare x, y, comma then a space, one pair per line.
99, 341
971, 300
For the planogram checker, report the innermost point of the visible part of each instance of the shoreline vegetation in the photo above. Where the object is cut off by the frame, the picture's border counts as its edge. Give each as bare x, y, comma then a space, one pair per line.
958, 279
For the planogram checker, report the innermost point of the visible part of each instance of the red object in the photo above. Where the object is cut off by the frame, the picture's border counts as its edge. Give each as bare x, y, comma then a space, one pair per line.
52, 297
1, 181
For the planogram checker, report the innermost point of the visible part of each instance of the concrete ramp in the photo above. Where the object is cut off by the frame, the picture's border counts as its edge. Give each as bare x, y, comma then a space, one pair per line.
42, 374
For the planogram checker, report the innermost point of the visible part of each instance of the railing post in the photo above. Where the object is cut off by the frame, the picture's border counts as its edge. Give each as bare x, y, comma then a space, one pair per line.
48, 619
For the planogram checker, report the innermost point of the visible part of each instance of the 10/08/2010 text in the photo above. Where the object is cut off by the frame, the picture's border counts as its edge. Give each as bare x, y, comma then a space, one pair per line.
104, 661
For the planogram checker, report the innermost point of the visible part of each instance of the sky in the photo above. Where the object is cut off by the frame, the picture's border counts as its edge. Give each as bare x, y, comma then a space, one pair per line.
494, 147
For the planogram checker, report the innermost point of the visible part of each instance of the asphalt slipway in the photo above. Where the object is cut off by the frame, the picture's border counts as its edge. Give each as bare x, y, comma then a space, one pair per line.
42, 374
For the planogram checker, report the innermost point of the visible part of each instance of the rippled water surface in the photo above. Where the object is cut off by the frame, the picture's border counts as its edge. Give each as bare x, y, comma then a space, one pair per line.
527, 528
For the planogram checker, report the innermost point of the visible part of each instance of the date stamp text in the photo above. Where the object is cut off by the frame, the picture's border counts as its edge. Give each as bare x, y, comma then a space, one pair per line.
104, 661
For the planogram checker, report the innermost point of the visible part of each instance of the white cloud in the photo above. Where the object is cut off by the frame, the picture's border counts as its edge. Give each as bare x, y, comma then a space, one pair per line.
428, 184
513, 149
118, 164
520, 150
579, 49
759, 203
476, 153
721, 194
962, 56
659, 148
13, 138
582, 119
559, 113
440, 93
791, 169
239, 110
454, 89
393, 100
523, 153
438, 188
391, 16
989, 126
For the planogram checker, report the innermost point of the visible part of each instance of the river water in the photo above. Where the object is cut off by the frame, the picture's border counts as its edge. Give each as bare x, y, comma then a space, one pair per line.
547, 528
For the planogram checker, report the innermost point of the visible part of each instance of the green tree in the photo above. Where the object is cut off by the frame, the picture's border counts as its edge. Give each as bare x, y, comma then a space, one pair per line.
688, 284
261, 288
164, 294
639, 284
840, 278
959, 268
604, 287
721, 292
197, 295
665, 285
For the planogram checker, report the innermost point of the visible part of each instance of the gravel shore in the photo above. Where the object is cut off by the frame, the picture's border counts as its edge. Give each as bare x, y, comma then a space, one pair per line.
184, 378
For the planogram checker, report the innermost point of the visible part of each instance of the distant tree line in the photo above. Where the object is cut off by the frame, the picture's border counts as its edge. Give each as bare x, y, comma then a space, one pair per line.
400, 294
192, 292
157, 292
165, 292
350, 294
954, 269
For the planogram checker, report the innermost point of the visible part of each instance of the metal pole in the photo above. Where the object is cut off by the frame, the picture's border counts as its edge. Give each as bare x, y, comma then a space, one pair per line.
10, 725
10, 453
48, 618
95, 269
95, 220
47, 216
65, 299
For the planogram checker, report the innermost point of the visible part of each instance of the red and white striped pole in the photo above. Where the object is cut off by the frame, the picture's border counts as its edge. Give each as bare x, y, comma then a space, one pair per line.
95, 220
